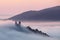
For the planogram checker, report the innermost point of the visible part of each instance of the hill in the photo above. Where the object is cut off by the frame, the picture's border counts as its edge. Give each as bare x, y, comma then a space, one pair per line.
48, 14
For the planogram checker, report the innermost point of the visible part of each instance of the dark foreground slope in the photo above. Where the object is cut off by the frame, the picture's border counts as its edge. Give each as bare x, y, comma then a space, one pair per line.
48, 14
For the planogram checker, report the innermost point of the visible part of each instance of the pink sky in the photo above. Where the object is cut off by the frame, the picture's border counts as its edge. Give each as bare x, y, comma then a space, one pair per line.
13, 7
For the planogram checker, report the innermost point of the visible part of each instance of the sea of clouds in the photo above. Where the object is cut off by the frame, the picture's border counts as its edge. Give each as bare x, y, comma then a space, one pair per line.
12, 32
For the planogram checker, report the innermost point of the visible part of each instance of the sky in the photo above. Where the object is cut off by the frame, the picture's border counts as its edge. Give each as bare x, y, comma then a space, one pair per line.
10, 8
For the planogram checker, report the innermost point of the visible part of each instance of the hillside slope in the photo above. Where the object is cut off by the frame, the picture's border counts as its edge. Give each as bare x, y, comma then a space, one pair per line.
48, 14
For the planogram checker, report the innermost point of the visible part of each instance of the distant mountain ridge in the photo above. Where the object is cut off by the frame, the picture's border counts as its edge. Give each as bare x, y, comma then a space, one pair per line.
48, 14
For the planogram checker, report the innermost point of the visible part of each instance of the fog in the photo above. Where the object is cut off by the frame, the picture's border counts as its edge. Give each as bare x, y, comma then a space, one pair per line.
9, 31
